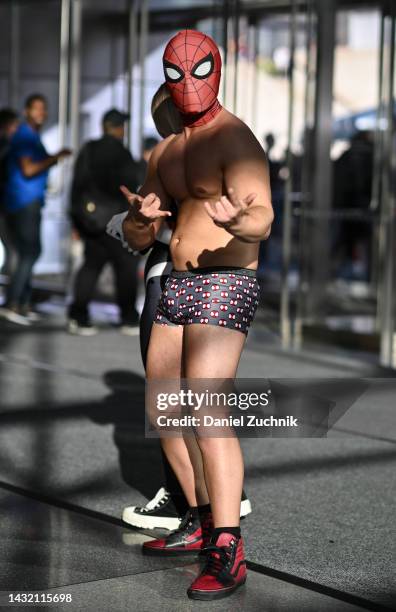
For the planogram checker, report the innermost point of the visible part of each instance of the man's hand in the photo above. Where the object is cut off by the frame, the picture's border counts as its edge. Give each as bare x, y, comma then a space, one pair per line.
145, 210
62, 154
228, 211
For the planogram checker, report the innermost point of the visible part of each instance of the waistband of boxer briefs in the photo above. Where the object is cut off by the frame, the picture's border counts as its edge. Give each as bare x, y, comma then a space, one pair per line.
222, 269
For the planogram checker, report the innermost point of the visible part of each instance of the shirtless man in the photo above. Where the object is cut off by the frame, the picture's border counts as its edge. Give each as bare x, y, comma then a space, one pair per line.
217, 173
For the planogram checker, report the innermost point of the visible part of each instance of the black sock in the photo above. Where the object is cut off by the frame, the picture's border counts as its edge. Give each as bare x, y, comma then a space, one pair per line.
180, 503
197, 511
235, 531
194, 510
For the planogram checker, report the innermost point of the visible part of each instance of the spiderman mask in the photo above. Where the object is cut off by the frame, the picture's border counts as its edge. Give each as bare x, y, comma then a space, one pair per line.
192, 68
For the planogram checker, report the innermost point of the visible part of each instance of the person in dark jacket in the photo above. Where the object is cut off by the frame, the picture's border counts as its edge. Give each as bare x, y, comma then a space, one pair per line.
101, 167
353, 181
148, 146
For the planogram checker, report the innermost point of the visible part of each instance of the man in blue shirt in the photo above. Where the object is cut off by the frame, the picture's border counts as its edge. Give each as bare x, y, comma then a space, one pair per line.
28, 166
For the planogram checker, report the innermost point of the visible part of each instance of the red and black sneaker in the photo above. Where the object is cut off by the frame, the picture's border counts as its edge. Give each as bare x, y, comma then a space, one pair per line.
224, 571
190, 538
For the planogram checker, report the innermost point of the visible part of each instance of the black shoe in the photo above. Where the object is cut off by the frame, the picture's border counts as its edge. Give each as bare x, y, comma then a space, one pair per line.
161, 513
190, 538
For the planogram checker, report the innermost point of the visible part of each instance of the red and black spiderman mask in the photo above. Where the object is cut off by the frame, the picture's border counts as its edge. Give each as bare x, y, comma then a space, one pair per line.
192, 68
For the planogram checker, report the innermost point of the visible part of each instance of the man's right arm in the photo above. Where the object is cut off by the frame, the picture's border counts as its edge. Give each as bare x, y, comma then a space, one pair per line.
147, 209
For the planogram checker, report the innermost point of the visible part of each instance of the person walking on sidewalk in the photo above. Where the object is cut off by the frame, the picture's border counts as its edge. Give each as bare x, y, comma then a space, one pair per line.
102, 165
27, 172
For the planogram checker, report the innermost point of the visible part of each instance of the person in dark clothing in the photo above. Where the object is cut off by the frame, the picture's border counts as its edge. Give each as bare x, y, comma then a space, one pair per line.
28, 164
353, 179
101, 167
148, 146
8, 126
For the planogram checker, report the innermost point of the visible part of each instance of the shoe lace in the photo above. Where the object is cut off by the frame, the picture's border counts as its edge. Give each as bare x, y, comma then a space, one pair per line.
217, 558
186, 521
160, 498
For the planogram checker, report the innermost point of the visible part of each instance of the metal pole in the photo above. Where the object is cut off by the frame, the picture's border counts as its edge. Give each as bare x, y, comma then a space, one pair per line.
377, 253
388, 205
13, 92
303, 240
75, 74
225, 47
322, 171
63, 79
236, 56
254, 59
131, 60
287, 207
144, 26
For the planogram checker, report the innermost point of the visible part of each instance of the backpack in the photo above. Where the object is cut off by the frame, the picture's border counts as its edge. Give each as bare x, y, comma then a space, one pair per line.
91, 209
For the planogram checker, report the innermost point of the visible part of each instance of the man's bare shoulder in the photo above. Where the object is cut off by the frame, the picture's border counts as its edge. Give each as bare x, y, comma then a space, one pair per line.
161, 147
233, 133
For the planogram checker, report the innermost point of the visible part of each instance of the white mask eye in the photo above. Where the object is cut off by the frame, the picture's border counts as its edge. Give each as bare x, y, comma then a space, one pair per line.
203, 69
172, 74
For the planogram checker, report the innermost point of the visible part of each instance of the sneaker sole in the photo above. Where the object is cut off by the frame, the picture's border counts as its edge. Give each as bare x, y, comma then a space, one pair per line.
15, 318
150, 522
134, 331
210, 595
78, 332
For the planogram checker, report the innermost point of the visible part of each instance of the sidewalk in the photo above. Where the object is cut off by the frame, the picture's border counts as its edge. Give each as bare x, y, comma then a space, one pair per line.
72, 447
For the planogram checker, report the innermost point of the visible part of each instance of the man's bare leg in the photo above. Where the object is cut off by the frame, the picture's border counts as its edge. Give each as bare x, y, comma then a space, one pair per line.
213, 352
164, 361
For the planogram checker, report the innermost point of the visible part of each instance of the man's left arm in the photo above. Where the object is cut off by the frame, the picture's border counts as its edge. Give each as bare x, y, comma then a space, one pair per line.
245, 210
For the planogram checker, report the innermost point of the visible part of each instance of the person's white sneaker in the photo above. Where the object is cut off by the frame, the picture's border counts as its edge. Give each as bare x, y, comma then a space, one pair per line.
31, 315
81, 329
129, 330
14, 317
158, 513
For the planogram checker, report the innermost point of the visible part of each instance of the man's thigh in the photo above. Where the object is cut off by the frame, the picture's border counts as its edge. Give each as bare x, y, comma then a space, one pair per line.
25, 227
164, 357
210, 351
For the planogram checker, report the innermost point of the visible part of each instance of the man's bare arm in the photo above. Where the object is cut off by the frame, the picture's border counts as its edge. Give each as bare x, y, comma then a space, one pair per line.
147, 208
245, 175
31, 168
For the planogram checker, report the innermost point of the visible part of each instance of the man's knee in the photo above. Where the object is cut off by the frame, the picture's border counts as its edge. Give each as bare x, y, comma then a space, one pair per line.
206, 444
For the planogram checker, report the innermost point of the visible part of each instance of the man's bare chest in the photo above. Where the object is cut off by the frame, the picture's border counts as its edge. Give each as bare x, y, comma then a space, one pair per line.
191, 170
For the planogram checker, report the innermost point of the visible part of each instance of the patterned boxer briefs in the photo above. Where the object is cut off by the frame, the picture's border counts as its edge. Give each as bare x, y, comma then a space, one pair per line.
227, 297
